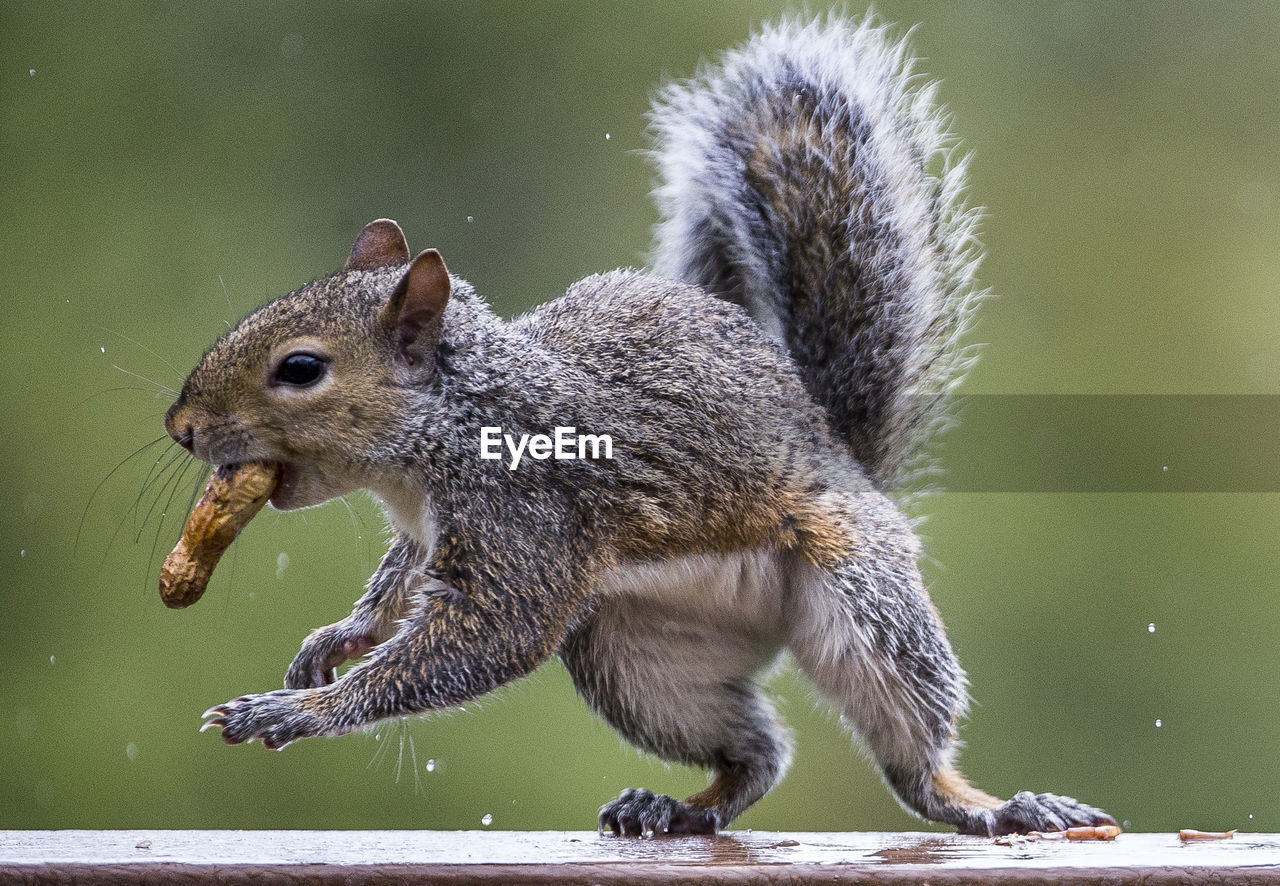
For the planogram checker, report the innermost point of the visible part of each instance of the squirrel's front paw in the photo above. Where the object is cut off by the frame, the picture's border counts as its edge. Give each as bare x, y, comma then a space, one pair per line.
1038, 812
316, 663
277, 718
639, 812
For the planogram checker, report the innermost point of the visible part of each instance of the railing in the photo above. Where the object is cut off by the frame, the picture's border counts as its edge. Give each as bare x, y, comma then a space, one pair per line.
546, 857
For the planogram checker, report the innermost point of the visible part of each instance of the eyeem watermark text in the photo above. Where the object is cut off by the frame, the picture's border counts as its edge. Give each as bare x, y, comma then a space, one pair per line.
562, 444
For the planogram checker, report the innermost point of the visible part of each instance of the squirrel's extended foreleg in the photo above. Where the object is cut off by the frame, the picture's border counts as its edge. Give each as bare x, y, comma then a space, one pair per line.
452, 650
865, 631
373, 620
487, 615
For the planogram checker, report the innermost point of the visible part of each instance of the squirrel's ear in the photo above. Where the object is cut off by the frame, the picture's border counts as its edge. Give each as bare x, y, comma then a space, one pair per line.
379, 245
415, 312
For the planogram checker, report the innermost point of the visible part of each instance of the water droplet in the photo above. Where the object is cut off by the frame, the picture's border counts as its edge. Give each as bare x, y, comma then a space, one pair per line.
31, 73
104, 350
607, 136
471, 219
486, 820
377, 736
282, 563
431, 765
1159, 723
53, 659
131, 751
1251, 815
1151, 628
22, 553
1165, 469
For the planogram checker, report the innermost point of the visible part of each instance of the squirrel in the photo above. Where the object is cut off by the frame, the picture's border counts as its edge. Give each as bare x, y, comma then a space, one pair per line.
765, 388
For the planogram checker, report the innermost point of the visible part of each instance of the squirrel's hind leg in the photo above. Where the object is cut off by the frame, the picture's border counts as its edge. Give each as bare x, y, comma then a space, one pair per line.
682, 689
867, 634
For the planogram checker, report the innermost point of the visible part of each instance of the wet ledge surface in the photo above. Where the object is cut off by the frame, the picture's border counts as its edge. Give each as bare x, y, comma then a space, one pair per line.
525, 857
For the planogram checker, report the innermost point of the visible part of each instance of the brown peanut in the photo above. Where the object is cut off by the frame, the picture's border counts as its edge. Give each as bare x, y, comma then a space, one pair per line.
1187, 834
234, 495
1101, 832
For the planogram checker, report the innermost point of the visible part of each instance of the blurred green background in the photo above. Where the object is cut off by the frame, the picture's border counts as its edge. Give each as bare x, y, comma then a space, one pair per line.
167, 167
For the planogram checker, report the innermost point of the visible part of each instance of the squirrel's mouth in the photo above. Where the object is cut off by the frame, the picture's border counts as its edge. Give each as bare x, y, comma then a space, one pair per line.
284, 487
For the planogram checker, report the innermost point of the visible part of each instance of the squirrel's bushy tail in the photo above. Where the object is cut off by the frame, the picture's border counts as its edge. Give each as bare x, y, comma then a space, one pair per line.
808, 176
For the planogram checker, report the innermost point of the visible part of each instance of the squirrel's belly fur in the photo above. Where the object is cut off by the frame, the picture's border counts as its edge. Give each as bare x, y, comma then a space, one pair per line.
764, 392
741, 590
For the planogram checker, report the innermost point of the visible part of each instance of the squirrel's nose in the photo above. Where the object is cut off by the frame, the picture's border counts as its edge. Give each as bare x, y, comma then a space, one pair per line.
180, 430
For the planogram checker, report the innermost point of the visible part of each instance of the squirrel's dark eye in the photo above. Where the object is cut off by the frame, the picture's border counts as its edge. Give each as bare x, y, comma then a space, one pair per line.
300, 370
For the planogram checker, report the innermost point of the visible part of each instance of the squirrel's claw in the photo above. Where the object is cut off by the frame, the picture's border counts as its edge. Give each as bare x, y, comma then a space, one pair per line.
1040, 812
212, 724
277, 718
639, 813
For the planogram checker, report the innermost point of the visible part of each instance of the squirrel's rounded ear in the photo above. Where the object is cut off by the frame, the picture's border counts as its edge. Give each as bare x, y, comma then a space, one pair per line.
379, 245
415, 312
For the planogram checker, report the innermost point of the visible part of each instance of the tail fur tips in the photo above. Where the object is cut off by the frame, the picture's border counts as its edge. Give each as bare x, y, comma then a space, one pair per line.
809, 176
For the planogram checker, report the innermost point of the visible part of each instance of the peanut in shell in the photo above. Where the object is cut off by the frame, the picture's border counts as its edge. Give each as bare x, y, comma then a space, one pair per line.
234, 495
1186, 835
1099, 832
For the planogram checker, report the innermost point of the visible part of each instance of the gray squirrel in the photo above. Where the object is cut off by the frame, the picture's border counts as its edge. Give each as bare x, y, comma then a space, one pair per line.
762, 393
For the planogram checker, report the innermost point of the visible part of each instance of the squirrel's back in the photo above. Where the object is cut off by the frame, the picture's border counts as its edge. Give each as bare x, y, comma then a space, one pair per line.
807, 176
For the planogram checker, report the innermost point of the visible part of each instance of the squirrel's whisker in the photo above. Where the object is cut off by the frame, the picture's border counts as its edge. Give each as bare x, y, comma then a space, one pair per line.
88, 504
97, 394
170, 486
167, 462
231, 312
139, 344
176, 486
132, 510
140, 377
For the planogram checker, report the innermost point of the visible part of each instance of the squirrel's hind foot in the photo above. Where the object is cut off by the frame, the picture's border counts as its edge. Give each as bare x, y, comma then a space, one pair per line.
640, 813
1036, 812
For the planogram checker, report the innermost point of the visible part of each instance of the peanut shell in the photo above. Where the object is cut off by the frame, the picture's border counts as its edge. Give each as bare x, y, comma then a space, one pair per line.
234, 495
